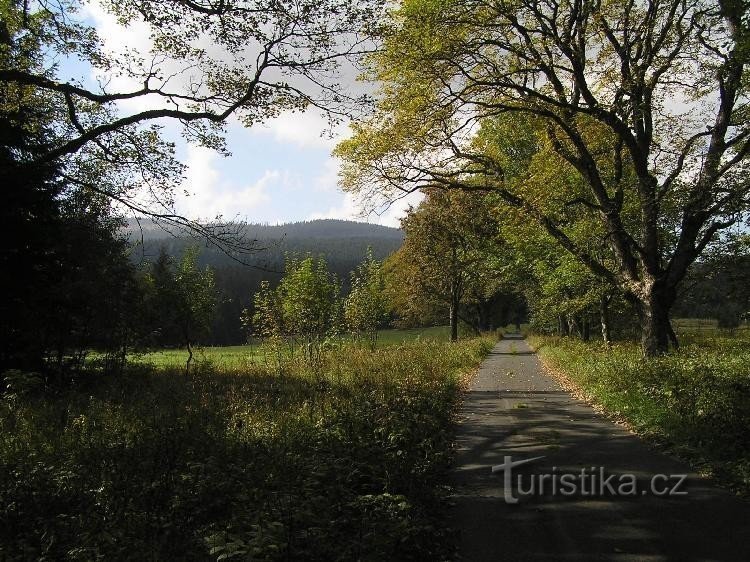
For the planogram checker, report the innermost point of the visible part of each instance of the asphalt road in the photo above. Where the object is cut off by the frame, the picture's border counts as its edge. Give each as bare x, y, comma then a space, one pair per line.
514, 410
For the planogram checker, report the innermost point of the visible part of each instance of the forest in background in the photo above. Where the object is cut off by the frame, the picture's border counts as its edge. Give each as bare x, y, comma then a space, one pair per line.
343, 244
716, 287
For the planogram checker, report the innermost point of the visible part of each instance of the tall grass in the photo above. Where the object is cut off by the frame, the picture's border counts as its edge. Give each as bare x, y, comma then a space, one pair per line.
242, 356
338, 463
695, 401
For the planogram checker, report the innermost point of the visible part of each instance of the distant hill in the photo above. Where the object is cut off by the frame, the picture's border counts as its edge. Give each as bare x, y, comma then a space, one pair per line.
319, 229
342, 243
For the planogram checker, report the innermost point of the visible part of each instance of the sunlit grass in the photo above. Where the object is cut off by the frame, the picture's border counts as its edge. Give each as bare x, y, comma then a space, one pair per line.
236, 356
239, 356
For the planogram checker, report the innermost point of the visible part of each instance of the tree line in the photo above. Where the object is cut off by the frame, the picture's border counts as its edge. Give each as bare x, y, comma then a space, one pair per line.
468, 259
341, 243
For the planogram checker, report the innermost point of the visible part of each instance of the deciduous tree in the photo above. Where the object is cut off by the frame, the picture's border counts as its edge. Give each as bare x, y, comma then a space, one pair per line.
450, 251
304, 307
205, 61
365, 307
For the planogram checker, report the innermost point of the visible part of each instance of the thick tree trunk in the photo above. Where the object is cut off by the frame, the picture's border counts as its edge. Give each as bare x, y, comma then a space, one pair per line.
672, 335
656, 330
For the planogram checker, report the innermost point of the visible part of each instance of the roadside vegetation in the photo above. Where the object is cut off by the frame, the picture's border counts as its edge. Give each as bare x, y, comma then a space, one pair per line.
695, 401
341, 461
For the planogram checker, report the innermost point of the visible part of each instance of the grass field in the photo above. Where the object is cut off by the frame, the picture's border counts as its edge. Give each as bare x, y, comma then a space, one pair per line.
696, 401
688, 325
346, 460
239, 356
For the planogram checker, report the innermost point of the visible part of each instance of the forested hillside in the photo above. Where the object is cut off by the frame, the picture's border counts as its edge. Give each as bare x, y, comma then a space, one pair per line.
343, 244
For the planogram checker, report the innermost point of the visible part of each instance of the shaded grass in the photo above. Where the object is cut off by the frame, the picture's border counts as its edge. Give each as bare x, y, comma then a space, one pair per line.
695, 401
342, 462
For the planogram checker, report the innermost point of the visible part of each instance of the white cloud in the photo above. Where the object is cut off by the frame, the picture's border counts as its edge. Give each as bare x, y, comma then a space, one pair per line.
306, 130
328, 180
124, 43
349, 209
387, 213
117, 38
392, 213
211, 195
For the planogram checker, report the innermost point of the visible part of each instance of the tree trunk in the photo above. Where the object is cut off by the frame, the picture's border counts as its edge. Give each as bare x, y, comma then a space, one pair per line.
454, 319
563, 326
190, 358
455, 301
573, 326
656, 330
672, 336
585, 329
604, 319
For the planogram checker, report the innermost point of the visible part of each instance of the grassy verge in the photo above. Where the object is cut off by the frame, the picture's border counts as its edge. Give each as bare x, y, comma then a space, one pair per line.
696, 402
343, 463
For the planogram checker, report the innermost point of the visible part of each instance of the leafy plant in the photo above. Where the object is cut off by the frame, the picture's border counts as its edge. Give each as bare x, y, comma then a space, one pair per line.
365, 308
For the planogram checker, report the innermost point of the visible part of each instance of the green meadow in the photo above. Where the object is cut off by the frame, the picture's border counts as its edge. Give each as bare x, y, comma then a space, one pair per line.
241, 355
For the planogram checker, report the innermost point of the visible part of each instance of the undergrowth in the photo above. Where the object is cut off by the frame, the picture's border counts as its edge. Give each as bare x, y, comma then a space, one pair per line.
344, 462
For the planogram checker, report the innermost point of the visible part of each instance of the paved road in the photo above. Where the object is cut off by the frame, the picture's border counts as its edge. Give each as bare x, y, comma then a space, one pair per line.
514, 409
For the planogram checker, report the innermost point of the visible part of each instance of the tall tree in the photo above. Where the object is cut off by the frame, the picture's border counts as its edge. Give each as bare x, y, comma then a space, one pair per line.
64, 270
645, 101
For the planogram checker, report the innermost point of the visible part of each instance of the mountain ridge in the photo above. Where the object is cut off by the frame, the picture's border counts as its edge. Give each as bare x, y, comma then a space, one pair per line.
315, 228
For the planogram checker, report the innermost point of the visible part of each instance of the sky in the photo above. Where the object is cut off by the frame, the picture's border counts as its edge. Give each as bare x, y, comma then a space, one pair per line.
281, 171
